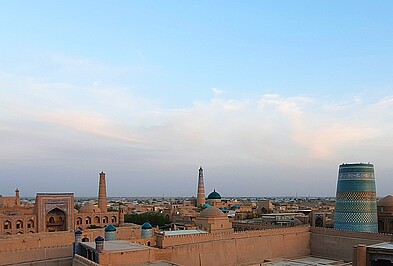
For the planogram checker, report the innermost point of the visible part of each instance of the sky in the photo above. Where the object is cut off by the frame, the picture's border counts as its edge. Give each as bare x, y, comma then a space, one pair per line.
269, 97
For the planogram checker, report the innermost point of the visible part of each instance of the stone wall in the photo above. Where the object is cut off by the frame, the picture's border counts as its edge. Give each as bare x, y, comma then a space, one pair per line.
338, 244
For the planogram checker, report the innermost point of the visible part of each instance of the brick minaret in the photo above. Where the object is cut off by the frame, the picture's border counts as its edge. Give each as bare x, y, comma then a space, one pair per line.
102, 200
201, 189
17, 197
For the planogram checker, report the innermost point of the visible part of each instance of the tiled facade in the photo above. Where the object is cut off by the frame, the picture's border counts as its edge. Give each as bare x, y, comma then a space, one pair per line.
356, 205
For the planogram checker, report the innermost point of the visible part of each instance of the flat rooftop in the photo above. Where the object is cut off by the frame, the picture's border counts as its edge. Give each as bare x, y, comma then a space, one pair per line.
116, 245
305, 261
183, 232
384, 245
159, 263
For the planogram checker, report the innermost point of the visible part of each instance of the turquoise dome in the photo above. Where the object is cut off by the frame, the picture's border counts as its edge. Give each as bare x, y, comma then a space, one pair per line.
214, 195
110, 228
206, 205
146, 225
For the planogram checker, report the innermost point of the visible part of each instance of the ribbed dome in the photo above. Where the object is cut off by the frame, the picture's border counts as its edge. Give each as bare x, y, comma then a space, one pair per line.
386, 201
89, 208
214, 195
212, 212
147, 225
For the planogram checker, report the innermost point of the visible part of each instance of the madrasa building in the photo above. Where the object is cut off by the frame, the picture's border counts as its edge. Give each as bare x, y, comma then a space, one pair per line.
55, 212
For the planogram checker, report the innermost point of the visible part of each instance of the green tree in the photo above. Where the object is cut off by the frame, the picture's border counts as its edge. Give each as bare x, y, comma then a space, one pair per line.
155, 219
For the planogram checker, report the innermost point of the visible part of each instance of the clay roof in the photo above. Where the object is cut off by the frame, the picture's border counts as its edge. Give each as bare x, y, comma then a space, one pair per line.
386, 201
212, 212
89, 208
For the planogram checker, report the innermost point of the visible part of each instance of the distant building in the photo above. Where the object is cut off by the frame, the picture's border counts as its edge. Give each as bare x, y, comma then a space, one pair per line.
214, 198
53, 212
385, 215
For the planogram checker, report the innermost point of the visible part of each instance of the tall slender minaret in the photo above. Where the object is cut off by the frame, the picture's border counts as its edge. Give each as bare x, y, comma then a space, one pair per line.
102, 200
201, 189
17, 197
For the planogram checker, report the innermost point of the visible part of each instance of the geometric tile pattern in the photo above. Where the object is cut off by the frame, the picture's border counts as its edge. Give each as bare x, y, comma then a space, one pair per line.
356, 196
356, 205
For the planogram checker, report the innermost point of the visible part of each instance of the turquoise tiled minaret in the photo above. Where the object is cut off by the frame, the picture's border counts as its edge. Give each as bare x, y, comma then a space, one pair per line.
356, 204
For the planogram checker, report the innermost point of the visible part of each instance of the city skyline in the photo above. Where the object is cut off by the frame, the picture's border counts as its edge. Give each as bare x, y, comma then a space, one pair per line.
268, 97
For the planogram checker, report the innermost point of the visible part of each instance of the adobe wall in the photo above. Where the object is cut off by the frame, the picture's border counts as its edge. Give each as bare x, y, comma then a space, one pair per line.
81, 261
55, 255
240, 248
337, 244
52, 262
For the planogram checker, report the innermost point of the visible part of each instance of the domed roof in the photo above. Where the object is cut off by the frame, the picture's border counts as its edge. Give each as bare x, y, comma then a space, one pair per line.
386, 201
89, 208
110, 228
99, 239
214, 195
147, 225
212, 212
234, 207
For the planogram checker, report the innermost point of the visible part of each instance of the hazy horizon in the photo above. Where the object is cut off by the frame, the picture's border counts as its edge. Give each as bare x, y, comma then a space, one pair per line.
268, 97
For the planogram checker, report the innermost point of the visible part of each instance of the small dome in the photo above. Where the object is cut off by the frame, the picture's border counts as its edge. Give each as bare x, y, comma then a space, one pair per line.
146, 225
99, 239
89, 208
206, 205
78, 232
212, 212
234, 207
110, 228
386, 201
214, 195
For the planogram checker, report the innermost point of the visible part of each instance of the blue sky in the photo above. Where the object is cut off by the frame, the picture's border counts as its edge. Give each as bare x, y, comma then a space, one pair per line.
268, 96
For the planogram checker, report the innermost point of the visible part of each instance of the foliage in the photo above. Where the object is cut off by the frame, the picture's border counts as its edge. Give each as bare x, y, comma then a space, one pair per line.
93, 226
152, 217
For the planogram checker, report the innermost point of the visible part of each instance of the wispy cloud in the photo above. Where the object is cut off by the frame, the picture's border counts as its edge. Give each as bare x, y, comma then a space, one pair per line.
217, 92
256, 135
